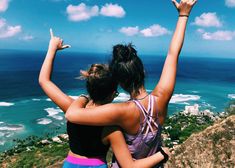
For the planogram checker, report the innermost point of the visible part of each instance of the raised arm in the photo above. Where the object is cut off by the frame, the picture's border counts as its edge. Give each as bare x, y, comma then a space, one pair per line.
166, 84
115, 138
52, 91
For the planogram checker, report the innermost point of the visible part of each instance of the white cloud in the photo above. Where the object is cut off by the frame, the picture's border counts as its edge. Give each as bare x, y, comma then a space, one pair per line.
130, 31
112, 10
8, 31
230, 3
154, 31
27, 38
81, 12
3, 5
218, 35
208, 20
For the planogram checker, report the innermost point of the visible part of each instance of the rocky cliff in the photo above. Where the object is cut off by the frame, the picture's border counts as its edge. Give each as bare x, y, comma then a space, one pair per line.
211, 148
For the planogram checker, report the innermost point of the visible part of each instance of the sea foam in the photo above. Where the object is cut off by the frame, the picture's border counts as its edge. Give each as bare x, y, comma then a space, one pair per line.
44, 121
11, 127
231, 96
53, 111
122, 97
57, 117
6, 104
2, 142
183, 98
48, 99
36, 99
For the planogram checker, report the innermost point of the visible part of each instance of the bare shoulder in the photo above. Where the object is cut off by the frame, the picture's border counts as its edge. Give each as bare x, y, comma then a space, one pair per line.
124, 107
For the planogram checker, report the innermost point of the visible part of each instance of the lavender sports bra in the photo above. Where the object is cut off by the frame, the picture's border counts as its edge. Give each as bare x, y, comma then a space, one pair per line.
148, 139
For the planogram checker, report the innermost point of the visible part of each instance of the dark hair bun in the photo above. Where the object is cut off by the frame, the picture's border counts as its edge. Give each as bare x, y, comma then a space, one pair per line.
127, 68
124, 53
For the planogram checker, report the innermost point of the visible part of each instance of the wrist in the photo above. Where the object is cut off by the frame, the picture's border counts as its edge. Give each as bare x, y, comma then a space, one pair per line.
160, 156
185, 16
184, 13
165, 156
52, 49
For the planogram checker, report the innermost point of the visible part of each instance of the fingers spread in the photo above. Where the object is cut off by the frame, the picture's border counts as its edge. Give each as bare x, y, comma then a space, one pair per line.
193, 2
175, 3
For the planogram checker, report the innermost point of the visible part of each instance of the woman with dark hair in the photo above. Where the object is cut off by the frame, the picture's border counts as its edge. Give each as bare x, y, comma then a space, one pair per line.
142, 117
89, 144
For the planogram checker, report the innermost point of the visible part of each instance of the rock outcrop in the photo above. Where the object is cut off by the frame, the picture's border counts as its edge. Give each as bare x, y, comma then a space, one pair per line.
214, 147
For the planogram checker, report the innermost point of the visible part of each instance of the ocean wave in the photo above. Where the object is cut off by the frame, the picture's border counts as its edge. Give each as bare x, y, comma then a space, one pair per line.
183, 98
6, 104
8, 134
53, 111
48, 99
2, 143
57, 117
36, 99
184, 103
44, 121
231, 96
149, 91
122, 97
11, 127
207, 105
194, 91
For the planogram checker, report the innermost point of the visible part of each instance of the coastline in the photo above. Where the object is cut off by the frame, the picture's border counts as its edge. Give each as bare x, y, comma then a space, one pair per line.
53, 118
177, 129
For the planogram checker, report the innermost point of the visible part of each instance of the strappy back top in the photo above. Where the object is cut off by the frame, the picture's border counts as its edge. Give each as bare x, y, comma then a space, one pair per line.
148, 139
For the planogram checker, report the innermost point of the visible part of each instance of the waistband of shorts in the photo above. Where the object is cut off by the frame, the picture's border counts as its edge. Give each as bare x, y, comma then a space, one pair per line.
85, 161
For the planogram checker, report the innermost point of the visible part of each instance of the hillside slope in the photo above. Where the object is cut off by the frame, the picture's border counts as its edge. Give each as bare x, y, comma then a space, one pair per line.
213, 147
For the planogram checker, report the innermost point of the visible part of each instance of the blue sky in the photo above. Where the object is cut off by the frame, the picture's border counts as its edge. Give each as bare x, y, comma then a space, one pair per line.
97, 25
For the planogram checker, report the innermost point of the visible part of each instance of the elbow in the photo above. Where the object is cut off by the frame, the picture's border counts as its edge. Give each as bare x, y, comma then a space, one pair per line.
68, 116
42, 81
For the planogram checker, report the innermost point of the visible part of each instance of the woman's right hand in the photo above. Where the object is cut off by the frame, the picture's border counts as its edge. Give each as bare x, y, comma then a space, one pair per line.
185, 6
56, 43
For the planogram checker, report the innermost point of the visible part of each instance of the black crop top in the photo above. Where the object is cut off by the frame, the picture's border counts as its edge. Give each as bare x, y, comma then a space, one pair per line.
86, 140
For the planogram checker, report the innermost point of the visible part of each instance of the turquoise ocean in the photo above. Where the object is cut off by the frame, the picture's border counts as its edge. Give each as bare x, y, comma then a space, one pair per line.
25, 110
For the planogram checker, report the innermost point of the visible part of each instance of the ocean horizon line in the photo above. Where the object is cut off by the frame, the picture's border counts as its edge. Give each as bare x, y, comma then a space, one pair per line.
108, 53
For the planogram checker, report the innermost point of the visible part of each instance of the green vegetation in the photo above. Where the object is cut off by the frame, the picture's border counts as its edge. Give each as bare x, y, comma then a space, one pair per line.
179, 127
32, 153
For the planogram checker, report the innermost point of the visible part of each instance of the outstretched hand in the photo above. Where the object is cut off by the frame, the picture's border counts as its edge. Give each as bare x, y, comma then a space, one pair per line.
185, 6
56, 43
